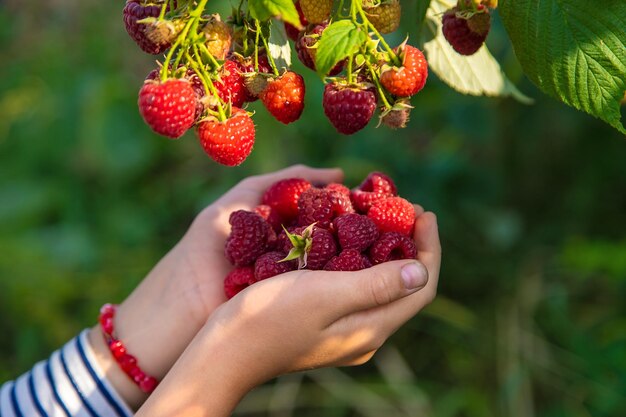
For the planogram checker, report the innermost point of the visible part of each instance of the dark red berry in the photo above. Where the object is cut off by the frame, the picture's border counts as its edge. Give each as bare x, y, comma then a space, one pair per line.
392, 246
355, 231
348, 260
238, 280
349, 108
269, 265
248, 238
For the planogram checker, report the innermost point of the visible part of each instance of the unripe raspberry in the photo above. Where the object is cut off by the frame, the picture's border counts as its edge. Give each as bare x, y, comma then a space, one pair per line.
316, 11
385, 16
218, 35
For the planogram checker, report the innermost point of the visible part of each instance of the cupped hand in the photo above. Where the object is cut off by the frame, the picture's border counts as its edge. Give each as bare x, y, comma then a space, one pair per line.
163, 314
295, 321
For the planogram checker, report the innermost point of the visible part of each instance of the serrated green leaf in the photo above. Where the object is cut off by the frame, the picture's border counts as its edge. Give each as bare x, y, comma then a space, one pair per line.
279, 47
478, 74
573, 50
282, 9
338, 40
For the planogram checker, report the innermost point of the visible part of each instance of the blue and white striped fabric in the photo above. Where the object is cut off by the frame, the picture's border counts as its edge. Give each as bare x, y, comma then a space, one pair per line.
68, 384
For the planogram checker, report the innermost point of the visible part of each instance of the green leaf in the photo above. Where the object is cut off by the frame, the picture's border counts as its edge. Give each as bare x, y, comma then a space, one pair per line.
573, 50
282, 9
478, 74
338, 40
279, 47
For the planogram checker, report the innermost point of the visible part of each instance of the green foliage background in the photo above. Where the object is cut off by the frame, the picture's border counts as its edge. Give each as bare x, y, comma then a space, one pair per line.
530, 320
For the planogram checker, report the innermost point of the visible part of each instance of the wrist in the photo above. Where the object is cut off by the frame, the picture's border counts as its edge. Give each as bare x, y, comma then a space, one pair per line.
124, 386
209, 379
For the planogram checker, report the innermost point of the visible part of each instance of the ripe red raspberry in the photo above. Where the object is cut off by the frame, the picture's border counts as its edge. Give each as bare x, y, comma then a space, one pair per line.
168, 107
230, 84
135, 10
306, 48
283, 196
291, 30
466, 35
270, 215
411, 77
341, 203
253, 82
248, 237
196, 84
348, 107
238, 280
315, 206
393, 214
284, 97
355, 231
392, 246
348, 260
313, 246
316, 11
228, 142
376, 186
340, 188
269, 265
385, 16
218, 35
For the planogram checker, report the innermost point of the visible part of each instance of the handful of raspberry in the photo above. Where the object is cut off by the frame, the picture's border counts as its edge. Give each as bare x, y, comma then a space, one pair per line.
302, 226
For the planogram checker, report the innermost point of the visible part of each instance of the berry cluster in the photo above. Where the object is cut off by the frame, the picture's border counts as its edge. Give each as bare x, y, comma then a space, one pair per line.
213, 67
302, 226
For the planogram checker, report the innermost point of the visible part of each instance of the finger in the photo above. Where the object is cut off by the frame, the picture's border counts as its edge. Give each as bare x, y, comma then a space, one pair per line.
419, 210
369, 288
313, 175
384, 320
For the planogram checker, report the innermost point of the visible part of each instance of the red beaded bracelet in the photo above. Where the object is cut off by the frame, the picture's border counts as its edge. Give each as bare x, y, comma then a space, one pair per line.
126, 361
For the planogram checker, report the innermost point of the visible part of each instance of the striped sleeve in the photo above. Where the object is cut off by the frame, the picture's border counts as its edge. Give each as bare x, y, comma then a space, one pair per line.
69, 384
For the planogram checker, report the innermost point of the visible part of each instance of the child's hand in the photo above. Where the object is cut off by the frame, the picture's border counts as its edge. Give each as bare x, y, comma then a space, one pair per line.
299, 320
161, 317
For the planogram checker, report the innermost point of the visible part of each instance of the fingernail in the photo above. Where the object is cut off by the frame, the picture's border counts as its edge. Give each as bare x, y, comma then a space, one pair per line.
414, 275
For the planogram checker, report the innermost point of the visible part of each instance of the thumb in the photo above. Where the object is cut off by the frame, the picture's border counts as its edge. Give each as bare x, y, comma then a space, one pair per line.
377, 286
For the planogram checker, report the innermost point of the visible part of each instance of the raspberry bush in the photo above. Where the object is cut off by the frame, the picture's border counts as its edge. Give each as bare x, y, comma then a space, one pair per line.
214, 65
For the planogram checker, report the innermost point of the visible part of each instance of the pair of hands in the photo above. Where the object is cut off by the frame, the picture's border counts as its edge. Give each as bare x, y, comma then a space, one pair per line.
299, 320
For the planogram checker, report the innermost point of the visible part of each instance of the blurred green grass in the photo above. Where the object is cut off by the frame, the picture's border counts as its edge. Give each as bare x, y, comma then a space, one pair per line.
530, 320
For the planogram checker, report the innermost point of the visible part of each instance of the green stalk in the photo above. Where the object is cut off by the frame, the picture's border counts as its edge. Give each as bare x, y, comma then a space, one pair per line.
267, 49
163, 9
381, 91
256, 47
349, 70
207, 83
371, 27
214, 62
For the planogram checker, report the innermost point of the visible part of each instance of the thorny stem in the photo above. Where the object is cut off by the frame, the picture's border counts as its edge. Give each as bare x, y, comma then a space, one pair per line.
381, 91
207, 83
350, 69
359, 9
206, 51
256, 47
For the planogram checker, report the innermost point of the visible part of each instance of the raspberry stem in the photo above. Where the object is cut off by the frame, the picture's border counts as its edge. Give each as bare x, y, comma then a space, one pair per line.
163, 9
381, 91
370, 27
206, 82
269, 56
